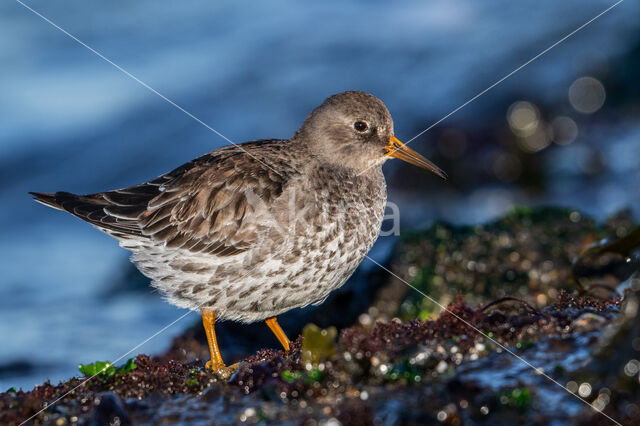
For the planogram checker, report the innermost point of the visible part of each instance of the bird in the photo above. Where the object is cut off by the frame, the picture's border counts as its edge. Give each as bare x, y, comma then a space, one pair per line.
249, 231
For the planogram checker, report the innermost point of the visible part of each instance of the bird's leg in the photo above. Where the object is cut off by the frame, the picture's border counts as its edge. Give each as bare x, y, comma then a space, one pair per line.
209, 320
275, 327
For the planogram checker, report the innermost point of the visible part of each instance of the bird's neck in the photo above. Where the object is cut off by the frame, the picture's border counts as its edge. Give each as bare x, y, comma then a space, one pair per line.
340, 157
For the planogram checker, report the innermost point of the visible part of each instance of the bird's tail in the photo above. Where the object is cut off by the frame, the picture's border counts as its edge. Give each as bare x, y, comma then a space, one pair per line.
93, 208
47, 199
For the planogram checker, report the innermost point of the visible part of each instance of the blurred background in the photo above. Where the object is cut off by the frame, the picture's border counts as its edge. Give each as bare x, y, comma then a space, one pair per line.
565, 130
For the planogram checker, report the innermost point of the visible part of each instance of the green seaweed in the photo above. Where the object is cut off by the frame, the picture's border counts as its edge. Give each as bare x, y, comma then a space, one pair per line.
525, 344
106, 368
128, 366
102, 368
291, 376
312, 376
519, 398
406, 372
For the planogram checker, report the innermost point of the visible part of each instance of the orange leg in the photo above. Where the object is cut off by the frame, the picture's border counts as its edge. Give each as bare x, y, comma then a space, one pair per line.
209, 320
275, 327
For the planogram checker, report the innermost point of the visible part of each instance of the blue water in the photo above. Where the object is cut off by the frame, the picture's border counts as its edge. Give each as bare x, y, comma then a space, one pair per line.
70, 121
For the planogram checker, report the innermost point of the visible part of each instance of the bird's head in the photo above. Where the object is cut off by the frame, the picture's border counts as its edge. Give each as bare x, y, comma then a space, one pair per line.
355, 129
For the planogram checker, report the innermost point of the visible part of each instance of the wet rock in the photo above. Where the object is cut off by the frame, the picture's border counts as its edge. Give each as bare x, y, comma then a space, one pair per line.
490, 357
109, 410
355, 412
588, 322
615, 367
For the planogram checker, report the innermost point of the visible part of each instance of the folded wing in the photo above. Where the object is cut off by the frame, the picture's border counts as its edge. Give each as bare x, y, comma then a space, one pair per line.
203, 206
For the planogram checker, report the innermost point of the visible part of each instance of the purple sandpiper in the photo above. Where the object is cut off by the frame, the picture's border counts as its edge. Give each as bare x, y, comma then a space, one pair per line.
247, 232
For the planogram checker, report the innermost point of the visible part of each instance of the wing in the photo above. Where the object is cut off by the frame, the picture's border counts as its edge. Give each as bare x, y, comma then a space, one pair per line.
204, 206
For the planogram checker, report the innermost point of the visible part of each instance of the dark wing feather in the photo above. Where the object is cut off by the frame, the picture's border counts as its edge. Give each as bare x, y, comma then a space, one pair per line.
202, 206
90, 208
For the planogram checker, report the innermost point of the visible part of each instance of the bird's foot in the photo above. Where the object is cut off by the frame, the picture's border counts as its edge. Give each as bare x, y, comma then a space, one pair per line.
221, 369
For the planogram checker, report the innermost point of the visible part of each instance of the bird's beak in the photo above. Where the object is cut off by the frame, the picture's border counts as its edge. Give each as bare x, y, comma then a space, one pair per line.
397, 149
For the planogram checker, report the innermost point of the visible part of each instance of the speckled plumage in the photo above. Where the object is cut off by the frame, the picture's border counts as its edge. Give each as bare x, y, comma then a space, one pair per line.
254, 230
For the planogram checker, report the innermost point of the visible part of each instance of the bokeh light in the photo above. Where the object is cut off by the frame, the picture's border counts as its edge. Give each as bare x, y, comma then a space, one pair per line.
563, 130
523, 118
587, 95
535, 142
584, 390
526, 123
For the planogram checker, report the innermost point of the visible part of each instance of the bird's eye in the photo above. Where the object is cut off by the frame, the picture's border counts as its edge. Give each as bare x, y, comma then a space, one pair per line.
360, 126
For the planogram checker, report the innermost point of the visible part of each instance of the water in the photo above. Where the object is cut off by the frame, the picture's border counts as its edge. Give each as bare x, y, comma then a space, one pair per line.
568, 354
70, 121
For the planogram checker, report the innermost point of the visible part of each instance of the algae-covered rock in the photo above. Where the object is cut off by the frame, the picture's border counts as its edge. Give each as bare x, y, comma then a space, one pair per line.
528, 254
522, 340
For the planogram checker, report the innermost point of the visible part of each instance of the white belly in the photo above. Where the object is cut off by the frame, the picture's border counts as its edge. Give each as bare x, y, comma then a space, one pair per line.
312, 258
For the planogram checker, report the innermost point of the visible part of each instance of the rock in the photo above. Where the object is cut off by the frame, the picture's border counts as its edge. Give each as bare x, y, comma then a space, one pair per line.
432, 367
109, 410
588, 322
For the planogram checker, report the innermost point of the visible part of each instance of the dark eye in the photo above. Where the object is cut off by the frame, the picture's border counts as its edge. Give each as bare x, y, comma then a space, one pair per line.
360, 126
